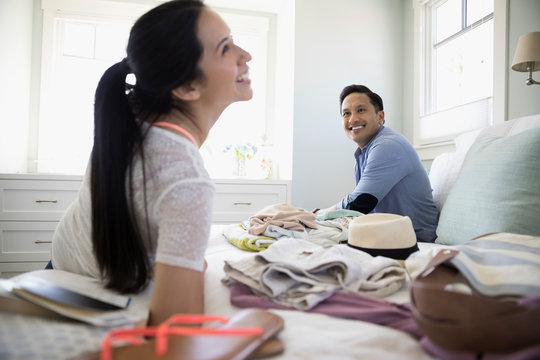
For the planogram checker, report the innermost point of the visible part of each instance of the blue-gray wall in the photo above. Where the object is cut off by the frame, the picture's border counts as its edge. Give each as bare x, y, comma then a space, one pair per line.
370, 42
338, 43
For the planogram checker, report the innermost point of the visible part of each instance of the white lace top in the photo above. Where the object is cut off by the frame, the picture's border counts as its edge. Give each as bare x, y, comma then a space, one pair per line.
180, 197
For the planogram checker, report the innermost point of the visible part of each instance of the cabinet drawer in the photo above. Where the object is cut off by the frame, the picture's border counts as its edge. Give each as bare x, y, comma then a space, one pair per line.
26, 241
237, 202
36, 200
8, 270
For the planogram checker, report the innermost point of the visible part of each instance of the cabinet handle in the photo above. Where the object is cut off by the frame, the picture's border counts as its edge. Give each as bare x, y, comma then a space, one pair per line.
242, 203
43, 242
47, 201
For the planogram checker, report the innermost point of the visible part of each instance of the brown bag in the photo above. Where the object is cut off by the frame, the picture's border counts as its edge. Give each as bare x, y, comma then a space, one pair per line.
471, 323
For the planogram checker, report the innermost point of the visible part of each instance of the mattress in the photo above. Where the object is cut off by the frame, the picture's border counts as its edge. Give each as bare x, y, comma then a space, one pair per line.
306, 335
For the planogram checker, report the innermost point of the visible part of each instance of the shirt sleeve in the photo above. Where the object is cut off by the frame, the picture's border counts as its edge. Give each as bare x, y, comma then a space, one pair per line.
385, 165
185, 214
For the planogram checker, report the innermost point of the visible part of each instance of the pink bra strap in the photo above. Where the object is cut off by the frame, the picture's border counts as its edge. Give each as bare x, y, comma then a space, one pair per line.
177, 128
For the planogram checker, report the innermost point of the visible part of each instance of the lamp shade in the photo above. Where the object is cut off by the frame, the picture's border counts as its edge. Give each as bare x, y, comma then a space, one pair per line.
527, 56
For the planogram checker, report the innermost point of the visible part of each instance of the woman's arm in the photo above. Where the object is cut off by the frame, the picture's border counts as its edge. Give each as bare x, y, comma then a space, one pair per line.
176, 290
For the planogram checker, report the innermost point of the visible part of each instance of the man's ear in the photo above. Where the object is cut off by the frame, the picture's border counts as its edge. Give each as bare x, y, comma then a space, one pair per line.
186, 92
380, 117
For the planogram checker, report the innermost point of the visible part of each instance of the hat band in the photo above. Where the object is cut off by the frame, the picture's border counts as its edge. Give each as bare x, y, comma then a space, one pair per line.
400, 254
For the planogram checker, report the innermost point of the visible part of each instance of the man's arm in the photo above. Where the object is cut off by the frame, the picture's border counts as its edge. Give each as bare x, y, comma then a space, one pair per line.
384, 169
364, 203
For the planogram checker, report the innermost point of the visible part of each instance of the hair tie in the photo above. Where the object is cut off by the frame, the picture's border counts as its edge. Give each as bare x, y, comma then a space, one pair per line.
130, 79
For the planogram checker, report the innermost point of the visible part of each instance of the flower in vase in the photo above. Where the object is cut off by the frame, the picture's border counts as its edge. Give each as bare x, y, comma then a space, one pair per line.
242, 152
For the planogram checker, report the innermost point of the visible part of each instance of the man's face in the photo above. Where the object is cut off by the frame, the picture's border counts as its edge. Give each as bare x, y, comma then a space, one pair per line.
360, 119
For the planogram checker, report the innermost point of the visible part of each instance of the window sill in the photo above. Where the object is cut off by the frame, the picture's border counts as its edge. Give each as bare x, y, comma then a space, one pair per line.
429, 152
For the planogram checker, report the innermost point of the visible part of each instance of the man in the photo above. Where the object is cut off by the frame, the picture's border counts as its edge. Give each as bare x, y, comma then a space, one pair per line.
390, 177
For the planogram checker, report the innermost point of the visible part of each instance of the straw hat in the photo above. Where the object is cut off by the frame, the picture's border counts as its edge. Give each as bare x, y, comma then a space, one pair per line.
381, 234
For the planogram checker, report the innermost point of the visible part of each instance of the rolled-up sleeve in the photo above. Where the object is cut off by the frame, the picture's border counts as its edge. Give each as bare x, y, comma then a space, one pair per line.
383, 166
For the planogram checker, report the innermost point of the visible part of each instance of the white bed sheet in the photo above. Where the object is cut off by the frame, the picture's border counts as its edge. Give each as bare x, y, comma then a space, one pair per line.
305, 336
308, 335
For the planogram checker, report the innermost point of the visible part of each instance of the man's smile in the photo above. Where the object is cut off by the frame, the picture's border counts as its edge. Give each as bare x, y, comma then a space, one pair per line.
355, 128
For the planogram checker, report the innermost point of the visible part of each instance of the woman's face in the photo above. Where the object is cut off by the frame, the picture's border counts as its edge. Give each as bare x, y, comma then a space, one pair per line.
223, 63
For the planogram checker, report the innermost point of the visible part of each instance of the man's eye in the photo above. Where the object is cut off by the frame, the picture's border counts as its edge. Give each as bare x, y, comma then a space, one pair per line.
361, 110
226, 48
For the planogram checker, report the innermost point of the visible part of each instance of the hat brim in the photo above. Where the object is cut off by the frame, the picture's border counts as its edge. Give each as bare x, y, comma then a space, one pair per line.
399, 254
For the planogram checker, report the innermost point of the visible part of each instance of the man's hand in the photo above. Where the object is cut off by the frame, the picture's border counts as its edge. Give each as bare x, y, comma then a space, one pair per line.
323, 211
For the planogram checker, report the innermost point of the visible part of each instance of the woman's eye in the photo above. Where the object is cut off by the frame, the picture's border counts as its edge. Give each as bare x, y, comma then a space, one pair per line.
226, 48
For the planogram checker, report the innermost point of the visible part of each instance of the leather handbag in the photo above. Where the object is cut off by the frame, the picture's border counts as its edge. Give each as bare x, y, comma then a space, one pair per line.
471, 322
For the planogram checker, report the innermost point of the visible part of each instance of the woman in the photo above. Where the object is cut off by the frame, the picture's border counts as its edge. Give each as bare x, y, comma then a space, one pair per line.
144, 211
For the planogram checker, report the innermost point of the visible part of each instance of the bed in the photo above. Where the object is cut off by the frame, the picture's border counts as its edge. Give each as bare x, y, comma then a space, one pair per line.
308, 335
305, 335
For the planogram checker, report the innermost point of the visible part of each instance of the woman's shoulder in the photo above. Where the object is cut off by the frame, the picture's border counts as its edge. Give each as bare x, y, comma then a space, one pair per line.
169, 161
166, 151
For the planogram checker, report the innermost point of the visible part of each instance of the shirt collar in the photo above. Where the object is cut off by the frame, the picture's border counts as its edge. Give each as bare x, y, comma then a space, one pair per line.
359, 151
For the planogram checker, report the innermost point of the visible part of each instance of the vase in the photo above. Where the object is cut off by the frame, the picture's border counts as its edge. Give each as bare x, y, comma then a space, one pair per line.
239, 166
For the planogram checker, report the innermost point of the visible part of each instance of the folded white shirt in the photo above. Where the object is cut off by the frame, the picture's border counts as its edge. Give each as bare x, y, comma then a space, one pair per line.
299, 273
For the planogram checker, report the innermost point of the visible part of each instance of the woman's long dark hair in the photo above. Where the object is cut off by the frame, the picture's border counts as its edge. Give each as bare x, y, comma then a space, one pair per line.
163, 53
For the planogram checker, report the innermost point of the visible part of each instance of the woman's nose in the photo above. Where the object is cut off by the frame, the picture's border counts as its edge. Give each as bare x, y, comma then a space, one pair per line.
246, 56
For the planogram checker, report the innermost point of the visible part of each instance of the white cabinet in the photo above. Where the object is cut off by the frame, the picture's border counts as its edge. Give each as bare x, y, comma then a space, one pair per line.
237, 200
31, 206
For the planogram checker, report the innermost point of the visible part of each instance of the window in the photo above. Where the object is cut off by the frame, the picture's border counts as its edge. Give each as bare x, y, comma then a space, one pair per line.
456, 74
245, 126
83, 47
81, 39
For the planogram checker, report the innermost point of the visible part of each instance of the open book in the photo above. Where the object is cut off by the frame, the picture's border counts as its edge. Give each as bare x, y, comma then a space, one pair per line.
73, 296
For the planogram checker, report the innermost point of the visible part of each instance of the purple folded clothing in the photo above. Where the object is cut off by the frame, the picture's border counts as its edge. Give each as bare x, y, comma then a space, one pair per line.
381, 312
344, 305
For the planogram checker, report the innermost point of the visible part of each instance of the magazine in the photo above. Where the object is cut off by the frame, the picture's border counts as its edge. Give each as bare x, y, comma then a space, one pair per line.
72, 296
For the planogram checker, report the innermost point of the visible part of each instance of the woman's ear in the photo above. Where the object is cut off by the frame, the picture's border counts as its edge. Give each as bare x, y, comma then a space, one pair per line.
186, 93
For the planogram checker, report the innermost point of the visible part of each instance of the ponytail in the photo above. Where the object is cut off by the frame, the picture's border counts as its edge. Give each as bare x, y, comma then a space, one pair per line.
164, 52
117, 242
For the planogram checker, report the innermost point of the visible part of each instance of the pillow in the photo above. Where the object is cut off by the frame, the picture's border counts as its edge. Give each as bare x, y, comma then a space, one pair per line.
445, 167
497, 190
442, 176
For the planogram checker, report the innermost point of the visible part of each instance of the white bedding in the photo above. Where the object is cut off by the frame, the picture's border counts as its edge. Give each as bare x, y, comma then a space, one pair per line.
305, 336
309, 335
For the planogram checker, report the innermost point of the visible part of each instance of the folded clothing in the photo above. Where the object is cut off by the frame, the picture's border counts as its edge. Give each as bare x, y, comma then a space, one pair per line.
301, 274
336, 214
498, 264
343, 305
238, 235
283, 215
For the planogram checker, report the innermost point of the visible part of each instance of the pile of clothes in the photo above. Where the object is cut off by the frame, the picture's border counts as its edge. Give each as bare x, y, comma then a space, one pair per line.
283, 220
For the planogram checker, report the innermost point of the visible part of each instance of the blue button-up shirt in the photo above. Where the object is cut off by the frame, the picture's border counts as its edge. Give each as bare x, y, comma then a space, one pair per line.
389, 169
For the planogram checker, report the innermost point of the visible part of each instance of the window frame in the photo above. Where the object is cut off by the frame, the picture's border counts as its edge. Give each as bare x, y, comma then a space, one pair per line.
278, 112
494, 108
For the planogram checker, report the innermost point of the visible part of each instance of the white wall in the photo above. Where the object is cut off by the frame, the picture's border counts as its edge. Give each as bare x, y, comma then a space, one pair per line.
524, 17
338, 43
15, 69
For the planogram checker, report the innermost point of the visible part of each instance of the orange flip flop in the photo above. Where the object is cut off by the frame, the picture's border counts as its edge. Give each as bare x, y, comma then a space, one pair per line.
249, 334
